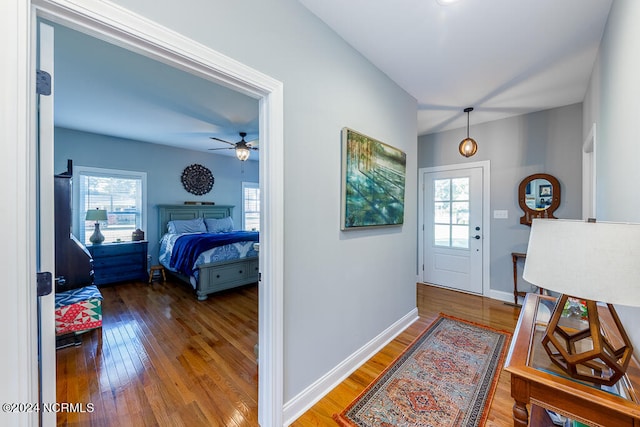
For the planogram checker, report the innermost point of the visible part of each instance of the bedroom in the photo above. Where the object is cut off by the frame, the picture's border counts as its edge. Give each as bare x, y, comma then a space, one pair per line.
133, 98
311, 122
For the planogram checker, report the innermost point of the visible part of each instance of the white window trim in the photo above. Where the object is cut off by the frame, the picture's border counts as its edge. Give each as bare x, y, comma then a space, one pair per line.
247, 184
87, 170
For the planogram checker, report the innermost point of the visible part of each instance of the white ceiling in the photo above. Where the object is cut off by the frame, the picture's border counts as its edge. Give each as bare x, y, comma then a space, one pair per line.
502, 57
105, 89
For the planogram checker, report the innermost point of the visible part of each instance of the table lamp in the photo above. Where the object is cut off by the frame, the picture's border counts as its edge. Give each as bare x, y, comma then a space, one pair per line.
592, 262
96, 215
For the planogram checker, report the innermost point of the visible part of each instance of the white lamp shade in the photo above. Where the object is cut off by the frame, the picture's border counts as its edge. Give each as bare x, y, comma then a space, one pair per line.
596, 261
96, 215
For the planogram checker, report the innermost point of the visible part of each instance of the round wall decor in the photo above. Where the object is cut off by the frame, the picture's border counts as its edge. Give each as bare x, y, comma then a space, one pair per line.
197, 179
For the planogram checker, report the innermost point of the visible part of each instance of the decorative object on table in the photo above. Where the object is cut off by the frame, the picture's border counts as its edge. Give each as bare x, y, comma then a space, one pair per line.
468, 146
588, 262
447, 376
137, 235
197, 179
373, 180
242, 147
96, 215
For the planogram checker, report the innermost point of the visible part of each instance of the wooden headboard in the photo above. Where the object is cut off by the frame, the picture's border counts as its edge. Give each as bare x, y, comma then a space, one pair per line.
168, 213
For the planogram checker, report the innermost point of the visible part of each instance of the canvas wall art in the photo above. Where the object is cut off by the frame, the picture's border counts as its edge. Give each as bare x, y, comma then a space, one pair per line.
373, 182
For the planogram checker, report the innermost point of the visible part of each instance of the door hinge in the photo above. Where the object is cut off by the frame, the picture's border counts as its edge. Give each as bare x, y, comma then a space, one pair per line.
44, 283
43, 83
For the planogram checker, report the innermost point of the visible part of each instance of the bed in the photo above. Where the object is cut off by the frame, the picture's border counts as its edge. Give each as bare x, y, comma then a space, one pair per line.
224, 259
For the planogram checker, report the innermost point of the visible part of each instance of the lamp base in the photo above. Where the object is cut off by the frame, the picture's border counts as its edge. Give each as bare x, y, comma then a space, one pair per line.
97, 237
583, 350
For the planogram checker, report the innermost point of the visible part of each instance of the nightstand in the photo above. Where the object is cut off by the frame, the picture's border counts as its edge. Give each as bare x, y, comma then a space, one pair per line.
117, 262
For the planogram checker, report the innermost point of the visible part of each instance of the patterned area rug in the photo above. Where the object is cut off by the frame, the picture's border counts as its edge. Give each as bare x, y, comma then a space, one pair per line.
446, 377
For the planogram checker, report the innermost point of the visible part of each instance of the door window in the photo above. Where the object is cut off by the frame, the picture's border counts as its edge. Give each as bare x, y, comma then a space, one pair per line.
451, 212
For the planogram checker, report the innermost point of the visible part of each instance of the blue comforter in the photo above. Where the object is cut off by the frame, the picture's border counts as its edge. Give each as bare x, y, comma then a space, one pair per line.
187, 248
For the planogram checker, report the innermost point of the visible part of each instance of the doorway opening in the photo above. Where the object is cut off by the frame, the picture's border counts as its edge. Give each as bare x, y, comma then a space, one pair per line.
122, 27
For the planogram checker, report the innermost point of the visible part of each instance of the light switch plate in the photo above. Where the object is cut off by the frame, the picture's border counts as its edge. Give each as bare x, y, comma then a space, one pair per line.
501, 214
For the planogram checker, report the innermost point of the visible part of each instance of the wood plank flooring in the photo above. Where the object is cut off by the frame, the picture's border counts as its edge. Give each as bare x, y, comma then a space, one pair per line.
164, 359
431, 301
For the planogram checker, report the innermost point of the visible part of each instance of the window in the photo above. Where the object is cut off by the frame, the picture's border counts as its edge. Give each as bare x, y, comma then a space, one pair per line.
121, 193
250, 206
451, 212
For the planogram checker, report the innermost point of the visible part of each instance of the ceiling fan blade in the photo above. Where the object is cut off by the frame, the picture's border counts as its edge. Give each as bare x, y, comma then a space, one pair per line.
253, 148
222, 140
224, 148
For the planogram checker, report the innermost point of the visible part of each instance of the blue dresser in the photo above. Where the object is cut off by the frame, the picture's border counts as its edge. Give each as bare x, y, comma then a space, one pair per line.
118, 262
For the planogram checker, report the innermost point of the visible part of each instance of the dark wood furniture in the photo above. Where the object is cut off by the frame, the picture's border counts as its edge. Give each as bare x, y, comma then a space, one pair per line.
117, 262
73, 262
216, 276
515, 256
536, 381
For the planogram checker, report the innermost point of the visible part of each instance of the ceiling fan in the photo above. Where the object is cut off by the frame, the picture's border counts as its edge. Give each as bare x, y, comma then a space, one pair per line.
242, 147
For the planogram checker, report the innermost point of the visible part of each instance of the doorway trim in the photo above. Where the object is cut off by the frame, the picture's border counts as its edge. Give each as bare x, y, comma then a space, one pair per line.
485, 165
124, 28
589, 175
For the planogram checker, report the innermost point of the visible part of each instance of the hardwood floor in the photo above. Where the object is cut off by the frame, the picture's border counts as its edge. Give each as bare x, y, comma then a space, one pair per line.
164, 359
431, 301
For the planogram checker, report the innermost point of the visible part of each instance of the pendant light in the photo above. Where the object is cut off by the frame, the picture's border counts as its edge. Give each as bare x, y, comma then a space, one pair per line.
468, 147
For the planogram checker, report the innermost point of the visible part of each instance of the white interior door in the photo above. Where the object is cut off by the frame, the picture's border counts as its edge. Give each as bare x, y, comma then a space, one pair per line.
453, 221
46, 223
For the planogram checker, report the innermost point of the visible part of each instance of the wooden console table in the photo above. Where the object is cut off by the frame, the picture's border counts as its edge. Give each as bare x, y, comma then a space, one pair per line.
514, 257
536, 381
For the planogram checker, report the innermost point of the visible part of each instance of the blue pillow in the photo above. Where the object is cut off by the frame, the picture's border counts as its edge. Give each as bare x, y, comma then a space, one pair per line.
222, 225
181, 226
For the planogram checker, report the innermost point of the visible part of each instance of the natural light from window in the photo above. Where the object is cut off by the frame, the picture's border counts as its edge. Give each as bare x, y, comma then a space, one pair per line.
250, 206
120, 193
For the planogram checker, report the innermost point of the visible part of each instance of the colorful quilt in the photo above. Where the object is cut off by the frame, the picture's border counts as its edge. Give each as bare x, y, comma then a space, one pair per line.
78, 310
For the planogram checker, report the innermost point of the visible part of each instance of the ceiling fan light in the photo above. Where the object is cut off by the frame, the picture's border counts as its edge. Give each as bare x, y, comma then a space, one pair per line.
242, 153
468, 147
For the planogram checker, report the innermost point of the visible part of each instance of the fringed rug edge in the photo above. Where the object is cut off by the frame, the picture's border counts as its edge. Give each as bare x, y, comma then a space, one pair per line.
342, 421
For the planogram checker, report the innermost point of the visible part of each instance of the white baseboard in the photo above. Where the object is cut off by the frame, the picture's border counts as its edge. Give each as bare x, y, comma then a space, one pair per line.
501, 295
298, 405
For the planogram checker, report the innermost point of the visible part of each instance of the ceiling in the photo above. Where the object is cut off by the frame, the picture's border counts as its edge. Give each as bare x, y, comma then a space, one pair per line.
502, 57
146, 100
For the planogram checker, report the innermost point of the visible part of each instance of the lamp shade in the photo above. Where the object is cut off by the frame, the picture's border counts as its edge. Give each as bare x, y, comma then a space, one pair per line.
595, 261
96, 215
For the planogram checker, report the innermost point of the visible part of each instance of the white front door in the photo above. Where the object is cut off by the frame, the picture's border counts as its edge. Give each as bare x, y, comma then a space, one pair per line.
453, 221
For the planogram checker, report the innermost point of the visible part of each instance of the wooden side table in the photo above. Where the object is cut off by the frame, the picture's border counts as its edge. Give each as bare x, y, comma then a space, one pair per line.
515, 256
536, 381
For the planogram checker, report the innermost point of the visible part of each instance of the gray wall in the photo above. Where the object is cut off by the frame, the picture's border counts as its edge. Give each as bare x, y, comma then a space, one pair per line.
548, 141
612, 103
163, 165
341, 289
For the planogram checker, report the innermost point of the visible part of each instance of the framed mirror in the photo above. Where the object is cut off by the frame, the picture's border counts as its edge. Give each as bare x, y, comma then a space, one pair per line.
538, 196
